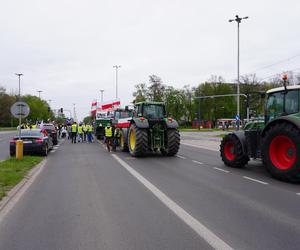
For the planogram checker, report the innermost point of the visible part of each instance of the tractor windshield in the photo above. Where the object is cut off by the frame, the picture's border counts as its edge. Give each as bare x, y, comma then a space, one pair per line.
154, 111
282, 103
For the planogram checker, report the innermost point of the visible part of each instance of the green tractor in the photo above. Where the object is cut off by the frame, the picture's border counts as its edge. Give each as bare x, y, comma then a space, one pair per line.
150, 130
276, 140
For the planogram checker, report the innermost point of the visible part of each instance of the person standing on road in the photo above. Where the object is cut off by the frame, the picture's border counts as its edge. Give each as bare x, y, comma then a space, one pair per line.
85, 131
80, 133
89, 134
117, 136
108, 136
74, 130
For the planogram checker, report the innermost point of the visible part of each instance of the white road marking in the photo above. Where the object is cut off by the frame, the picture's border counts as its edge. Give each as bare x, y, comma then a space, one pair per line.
212, 239
297, 193
53, 151
258, 181
181, 157
198, 162
223, 170
198, 146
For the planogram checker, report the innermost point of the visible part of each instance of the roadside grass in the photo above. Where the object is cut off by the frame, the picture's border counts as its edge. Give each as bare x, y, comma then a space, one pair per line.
12, 171
8, 129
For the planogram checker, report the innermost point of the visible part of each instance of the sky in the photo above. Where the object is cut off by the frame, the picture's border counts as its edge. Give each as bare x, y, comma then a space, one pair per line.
67, 48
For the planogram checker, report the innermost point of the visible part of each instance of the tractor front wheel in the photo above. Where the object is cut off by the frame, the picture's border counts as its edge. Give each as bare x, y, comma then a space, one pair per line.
281, 152
232, 153
137, 141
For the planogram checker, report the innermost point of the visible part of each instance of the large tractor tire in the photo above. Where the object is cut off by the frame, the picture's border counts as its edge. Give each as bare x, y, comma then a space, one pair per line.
123, 143
137, 141
281, 152
232, 153
172, 142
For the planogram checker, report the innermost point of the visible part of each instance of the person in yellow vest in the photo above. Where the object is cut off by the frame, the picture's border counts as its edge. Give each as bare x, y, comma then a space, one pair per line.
109, 136
89, 134
85, 131
74, 132
80, 133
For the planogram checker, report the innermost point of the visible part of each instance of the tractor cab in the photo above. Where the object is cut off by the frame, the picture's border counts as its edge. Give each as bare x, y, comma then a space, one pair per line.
151, 110
282, 101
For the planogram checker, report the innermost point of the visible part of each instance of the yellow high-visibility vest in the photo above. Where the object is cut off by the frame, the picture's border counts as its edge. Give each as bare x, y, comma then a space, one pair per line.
80, 131
90, 128
108, 131
74, 128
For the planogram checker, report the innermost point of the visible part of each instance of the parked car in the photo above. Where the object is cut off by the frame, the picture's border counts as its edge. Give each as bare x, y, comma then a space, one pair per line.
35, 141
50, 128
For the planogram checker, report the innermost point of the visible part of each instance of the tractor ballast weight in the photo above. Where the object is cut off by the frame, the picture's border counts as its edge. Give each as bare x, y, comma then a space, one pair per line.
277, 142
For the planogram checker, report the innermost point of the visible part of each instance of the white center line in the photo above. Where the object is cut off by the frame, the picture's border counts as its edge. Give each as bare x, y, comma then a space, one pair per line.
181, 157
258, 181
213, 240
223, 170
198, 162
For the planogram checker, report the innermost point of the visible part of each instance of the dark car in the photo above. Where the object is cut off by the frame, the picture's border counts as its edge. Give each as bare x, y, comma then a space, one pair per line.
50, 128
35, 141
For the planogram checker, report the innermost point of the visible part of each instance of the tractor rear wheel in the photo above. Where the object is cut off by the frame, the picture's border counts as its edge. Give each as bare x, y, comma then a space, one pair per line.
232, 153
123, 145
172, 142
137, 141
281, 152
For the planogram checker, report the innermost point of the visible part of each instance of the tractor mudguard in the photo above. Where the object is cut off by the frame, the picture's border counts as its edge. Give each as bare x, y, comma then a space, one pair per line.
141, 123
242, 138
294, 120
171, 123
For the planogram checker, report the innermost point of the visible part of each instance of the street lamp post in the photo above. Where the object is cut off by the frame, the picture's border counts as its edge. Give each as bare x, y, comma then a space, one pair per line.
102, 90
20, 119
117, 67
238, 20
39, 91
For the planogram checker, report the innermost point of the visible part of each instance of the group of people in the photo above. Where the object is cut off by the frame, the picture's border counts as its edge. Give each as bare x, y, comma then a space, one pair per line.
112, 137
80, 132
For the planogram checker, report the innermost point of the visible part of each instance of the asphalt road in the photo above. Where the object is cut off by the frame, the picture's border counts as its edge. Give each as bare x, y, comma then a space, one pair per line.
87, 198
5, 137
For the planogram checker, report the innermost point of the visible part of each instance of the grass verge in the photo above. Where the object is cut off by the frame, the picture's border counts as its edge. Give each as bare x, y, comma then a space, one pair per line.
8, 129
13, 171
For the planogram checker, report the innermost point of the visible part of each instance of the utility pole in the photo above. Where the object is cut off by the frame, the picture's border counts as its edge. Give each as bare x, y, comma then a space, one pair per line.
238, 20
20, 119
74, 112
40, 93
117, 67
101, 90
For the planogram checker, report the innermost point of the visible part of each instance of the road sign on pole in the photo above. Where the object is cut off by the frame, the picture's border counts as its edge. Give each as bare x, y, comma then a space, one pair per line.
20, 109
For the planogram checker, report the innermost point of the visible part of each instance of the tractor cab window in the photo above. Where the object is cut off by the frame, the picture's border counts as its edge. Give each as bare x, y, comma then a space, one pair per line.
274, 105
152, 111
292, 102
281, 103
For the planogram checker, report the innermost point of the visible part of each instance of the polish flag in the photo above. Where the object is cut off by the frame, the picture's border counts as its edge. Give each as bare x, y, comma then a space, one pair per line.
94, 106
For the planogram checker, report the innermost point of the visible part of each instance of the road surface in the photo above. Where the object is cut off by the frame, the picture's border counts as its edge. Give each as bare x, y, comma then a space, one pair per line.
87, 198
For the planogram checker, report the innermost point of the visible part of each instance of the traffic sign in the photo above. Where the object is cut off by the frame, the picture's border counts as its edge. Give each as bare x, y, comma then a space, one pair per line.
237, 117
20, 109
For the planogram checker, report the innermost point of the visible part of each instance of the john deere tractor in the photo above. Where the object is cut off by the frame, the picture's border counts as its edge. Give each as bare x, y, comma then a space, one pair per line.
150, 130
276, 140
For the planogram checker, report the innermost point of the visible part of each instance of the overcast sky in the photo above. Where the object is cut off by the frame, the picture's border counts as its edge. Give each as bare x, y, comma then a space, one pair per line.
67, 48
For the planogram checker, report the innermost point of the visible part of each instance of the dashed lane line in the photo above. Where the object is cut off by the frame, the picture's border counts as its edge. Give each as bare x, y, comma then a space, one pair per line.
212, 239
198, 162
181, 157
298, 194
222, 170
255, 180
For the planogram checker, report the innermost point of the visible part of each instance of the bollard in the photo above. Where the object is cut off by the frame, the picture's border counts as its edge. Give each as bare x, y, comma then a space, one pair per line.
19, 149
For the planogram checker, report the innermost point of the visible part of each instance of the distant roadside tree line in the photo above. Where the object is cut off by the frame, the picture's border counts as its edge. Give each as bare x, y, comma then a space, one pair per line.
183, 105
38, 109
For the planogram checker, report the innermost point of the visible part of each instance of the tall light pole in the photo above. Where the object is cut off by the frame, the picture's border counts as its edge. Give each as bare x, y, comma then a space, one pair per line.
238, 20
74, 112
117, 67
39, 91
20, 119
101, 90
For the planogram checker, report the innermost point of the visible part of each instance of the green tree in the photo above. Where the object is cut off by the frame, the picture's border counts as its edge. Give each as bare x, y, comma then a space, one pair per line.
156, 89
141, 92
6, 101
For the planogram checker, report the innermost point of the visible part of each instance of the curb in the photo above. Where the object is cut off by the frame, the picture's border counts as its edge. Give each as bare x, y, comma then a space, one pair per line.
22, 185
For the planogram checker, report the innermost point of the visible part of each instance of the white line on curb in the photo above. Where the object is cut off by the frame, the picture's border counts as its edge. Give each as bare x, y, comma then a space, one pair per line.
181, 157
198, 162
223, 170
212, 239
197, 146
258, 181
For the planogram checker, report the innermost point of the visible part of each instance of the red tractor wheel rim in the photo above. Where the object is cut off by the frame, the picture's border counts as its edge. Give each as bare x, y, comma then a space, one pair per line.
229, 150
282, 152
